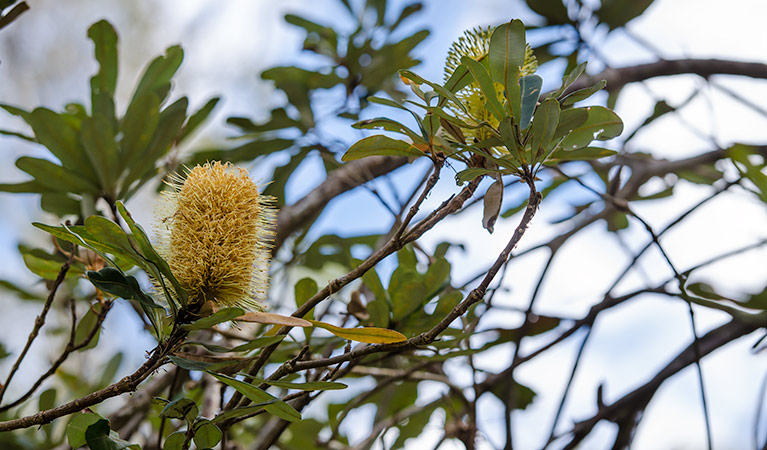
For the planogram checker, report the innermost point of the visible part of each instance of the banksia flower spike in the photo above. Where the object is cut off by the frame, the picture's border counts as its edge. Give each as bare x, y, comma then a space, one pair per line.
215, 230
476, 45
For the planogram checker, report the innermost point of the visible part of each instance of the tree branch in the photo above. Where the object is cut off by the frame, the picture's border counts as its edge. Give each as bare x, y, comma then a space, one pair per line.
617, 78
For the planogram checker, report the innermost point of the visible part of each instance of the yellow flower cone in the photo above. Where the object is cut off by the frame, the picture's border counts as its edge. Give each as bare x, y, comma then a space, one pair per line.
215, 230
476, 45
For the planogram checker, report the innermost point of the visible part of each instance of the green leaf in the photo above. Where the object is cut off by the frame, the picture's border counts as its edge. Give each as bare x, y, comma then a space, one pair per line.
20, 292
77, 426
616, 13
543, 128
151, 255
482, 77
304, 289
138, 126
55, 133
197, 118
242, 411
583, 94
380, 145
98, 140
279, 408
175, 441
183, 408
310, 386
530, 87
206, 434
222, 315
506, 56
602, 124
570, 119
252, 345
159, 72
55, 177
278, 120
369, 335
472, 173
98, 436
126, 287
104, 39
89, 321
378, 308
31, 187
445, 94
382, 123
568, 79
246, 152
59, 203
554, 11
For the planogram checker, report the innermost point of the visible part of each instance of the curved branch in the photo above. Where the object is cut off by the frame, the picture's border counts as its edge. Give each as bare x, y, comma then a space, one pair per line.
635, 401
617, 78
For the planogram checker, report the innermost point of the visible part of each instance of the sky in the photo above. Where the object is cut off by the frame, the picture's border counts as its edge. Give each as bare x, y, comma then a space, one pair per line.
45, 59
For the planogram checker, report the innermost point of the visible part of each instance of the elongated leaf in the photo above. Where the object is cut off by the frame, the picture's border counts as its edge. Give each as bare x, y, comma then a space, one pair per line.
570, 119
86, 325
222, 315
138, 126
543, 128
482, 77
460, 78
254, 344
104, 39
55, 177
509, 136
246, 152
380, 145
256, 395
98, 140
310, 386
530, 87
124, 286
506, 56
159, 72
602, 124
54, 132
32, 187
369, 335
583, 94
472, 173
271, 318
197, 119
568, 79
445, 94
382, 123
492, 205
151, 255
241, 411
18, 135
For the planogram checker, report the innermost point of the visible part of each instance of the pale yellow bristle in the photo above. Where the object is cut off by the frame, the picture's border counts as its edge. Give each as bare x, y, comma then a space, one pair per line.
214, 230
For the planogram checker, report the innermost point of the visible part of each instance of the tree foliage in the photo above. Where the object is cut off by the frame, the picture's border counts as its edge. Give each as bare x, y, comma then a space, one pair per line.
380, 318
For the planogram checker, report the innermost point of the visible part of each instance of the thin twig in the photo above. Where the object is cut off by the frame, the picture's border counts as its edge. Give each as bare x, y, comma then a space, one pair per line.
39, 322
